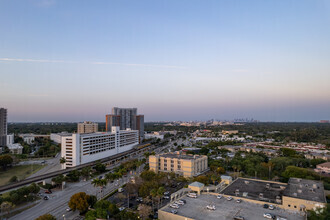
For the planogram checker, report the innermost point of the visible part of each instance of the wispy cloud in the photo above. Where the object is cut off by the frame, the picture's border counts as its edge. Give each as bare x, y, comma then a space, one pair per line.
93, 63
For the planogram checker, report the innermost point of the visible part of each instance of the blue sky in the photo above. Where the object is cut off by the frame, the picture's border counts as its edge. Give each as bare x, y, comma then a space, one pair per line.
173, 60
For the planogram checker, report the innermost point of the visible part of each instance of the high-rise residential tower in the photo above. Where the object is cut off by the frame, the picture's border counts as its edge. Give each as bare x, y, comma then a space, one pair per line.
126, 118
3, 127
87, 127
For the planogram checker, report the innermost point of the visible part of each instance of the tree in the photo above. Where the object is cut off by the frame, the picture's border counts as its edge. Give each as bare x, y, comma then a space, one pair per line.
13, 179
99, 183
86, 172
46, 217
288, 152
100, 167
148, 175
144, 211
62, 160
221, 170
92, 200
320, 214
5, 160
6, 206
202, 179
79, 201
73, 176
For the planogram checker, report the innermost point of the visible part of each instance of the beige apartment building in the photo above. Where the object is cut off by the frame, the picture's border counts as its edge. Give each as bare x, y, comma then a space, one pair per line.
87, 127
185, 165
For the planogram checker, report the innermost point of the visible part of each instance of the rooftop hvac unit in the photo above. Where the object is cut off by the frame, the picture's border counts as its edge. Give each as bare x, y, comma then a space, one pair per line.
299, 191
267, 185
314, 186
261, 195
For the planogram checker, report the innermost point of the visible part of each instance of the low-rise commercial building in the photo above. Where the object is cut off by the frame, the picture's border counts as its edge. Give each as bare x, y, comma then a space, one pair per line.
297, 195
185, 165
87, 127
83, 148
323, 168
15, 148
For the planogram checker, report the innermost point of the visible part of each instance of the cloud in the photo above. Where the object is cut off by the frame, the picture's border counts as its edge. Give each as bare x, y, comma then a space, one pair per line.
240, 71
93, 63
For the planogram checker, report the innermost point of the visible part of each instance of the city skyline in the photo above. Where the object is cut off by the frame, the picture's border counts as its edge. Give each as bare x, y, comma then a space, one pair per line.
72, 61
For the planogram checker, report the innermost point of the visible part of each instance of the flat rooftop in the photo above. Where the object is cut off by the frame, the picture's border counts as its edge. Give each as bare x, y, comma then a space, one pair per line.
305, 189
196, 209
180, 156
255, 189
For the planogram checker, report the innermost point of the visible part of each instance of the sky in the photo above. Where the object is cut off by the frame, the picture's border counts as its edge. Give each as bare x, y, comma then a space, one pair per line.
173, 60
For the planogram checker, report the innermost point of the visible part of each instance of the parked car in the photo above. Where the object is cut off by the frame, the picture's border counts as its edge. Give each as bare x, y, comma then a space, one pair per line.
121, 208
166, 193
266, 206
238, 200
219, 196
46, 198
139, 199
229, 198
120, 190
271, 207
269, 216
68, 209
48, 192
179, 202
174, 211
175, 206
182, 200
166, 197
211, 207
280, 218
192, 195
239, 218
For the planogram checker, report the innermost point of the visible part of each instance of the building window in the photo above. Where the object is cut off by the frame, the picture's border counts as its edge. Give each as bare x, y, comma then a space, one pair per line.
295, 207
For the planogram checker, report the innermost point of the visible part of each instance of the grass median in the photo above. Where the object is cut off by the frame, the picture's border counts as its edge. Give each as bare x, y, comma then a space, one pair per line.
22, 172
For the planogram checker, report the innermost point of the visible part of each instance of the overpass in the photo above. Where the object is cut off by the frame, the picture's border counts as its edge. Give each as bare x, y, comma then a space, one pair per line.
108, 161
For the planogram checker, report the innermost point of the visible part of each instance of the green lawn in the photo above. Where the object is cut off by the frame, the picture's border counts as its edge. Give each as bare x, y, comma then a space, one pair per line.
21, 172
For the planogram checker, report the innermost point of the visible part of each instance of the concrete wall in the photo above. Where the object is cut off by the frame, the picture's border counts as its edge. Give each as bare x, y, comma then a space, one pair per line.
162, 215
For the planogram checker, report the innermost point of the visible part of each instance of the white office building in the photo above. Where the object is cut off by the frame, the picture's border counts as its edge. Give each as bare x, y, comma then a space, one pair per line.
10, 139
83, 148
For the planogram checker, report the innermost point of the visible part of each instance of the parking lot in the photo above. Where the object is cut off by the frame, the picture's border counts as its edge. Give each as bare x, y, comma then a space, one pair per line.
196, 209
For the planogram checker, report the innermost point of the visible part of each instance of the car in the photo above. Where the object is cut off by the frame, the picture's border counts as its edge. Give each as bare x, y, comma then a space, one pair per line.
179, 202
175, 206
100, 177
219, 196
46, 198
280, 218
139, 199
174, 211
210, 207
166, 197
229, 198
48, 192
182, 201
166, 193
121, 208
266, 206
239, 218
68, 209
271, 207
192, 195
238, 200
268, 215
120, 190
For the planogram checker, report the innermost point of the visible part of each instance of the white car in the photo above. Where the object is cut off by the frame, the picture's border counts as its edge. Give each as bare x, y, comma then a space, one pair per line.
175, 206
68, 209
219, 196
229, 198
271, 207
238, 200
120, 190
268, 215
179, 202
121, 208
210, 207
192, 195
174, 211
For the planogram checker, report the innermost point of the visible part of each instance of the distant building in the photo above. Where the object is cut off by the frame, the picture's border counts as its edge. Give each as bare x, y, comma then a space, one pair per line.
10, 139
125, 118
3, 127
323, 168
83, 148
15, 148
324, 121
153, 135
57, 137
230, 132
87, 127
185, 165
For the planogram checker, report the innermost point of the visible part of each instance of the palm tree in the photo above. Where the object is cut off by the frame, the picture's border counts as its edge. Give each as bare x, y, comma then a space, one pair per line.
62, 161
160, 193
99, 183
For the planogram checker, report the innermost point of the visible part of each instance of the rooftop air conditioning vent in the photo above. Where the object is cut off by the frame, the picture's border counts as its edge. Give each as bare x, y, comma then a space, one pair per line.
299, 191
261, 195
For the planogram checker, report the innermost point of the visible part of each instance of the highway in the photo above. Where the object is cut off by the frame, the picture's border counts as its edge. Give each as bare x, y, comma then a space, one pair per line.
56, 173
